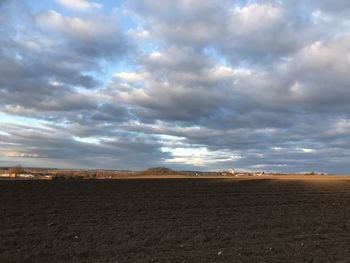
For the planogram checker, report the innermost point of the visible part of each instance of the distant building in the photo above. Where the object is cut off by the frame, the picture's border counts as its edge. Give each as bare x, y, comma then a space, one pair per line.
227, 172
25, 175
16, 170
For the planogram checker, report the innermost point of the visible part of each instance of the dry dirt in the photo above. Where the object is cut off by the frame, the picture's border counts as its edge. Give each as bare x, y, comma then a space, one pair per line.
175, 220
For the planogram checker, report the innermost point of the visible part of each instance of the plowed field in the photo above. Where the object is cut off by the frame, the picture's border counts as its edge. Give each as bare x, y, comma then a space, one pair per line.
175, 220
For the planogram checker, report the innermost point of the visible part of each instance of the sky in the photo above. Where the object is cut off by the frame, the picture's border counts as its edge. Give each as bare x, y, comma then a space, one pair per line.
187, 84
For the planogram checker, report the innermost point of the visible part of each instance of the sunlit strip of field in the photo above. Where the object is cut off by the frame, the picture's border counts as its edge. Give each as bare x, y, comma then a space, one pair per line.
244, 177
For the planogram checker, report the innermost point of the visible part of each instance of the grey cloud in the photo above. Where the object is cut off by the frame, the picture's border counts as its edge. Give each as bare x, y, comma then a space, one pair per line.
41, 71
333, 6
92, 37
257, 32
182, 85
129, 150
260, 85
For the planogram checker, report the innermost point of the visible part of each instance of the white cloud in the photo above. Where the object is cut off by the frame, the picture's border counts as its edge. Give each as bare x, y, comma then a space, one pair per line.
256, 18
19, 154
90, 140
74, 26
130, 76
79, 5
307, 150
340, 127
199, 156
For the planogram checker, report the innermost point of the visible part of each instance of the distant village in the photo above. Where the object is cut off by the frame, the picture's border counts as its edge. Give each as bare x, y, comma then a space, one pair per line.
19, 172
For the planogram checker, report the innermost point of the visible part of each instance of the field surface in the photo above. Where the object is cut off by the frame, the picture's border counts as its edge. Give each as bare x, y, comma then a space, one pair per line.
175, 220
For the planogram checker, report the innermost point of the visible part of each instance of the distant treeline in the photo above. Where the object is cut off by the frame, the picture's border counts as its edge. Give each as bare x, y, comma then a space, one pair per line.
64, 174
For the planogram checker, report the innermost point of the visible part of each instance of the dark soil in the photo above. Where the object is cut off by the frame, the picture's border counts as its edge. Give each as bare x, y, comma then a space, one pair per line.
174, 220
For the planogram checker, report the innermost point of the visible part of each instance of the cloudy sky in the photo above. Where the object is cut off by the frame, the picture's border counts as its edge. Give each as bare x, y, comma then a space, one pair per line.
187, 84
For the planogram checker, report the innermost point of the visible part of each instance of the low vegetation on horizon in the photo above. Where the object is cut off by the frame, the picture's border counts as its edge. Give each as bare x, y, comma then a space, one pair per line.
62, 174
